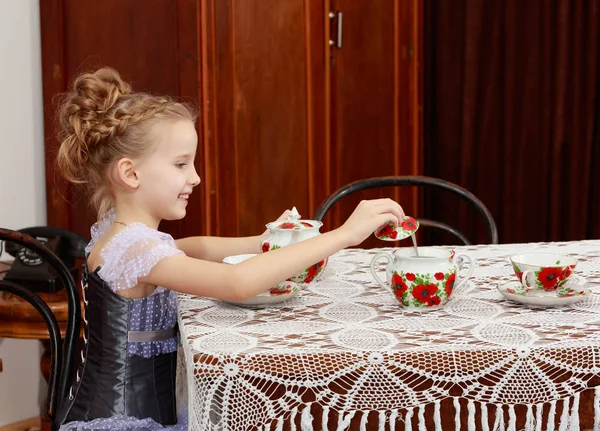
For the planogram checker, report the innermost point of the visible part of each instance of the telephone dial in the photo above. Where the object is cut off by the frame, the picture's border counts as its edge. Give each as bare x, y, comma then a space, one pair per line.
31, 271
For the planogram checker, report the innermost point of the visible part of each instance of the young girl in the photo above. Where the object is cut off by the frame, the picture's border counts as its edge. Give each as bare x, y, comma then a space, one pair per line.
136, 153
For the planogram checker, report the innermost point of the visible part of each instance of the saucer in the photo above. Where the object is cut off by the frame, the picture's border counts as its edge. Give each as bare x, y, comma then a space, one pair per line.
282, 292
405, 228
514, 291
232, 260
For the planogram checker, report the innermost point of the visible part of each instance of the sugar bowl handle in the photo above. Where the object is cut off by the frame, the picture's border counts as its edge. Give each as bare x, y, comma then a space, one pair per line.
387, 256
473, 264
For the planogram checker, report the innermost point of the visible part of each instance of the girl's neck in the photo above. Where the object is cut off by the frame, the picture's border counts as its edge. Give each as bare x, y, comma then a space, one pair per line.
126, 215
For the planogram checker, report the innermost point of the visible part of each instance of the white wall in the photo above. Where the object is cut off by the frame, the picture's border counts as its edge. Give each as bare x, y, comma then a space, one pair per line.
22, 185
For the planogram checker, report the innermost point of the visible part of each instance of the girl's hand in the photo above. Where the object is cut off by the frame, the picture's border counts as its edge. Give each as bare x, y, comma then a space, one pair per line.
368, 216
283, 216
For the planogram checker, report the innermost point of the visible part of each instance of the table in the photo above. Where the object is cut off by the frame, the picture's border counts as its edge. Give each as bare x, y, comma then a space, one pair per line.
343, 355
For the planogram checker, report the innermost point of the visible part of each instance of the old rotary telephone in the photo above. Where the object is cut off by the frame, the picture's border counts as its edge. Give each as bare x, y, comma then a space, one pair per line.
31, 271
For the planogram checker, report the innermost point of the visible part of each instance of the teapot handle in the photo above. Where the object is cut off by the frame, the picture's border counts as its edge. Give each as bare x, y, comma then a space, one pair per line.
472, 266
378, 256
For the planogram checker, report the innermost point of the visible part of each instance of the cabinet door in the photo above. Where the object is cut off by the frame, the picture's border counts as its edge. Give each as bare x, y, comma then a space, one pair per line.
374, 97
292, 118
261, 58
152, 43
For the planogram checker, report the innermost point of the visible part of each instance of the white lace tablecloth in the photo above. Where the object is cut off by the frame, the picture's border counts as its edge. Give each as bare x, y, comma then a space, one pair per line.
346, 345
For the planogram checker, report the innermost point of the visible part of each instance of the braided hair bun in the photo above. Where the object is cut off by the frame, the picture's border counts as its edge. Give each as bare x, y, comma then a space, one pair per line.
102, 120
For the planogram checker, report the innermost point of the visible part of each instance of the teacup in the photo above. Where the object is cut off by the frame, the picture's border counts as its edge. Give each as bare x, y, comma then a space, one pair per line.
425, 281
546, 272
282, 288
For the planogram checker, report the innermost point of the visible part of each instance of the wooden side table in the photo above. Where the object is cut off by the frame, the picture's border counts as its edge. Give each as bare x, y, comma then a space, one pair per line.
18, 319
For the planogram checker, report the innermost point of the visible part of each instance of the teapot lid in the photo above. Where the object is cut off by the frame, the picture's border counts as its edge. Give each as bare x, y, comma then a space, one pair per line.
293, 222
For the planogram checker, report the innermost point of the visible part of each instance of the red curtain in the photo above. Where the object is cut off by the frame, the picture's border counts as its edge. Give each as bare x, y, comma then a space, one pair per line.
512, 101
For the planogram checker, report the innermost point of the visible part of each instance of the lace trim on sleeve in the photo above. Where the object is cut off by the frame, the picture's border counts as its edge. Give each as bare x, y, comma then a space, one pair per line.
132, 253
99, 228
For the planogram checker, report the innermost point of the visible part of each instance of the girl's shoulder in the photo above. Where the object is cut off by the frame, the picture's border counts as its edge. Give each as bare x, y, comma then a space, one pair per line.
131, 253
131, 235
137, 235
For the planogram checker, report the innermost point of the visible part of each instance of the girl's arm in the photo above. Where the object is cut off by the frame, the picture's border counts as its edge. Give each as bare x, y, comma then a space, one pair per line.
261, 272
214, 248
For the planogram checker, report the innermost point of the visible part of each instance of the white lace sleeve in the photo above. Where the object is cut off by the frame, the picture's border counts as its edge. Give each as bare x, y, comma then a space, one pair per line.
132, 253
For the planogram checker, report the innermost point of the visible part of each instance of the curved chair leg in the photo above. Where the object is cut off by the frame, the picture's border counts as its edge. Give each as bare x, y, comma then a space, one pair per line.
74, 320
55, 341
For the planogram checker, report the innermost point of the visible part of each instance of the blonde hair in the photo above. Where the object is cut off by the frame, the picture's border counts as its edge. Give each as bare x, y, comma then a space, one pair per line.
101, 121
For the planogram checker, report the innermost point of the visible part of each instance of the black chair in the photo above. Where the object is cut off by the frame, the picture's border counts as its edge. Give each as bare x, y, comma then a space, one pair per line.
63, 355
429, 182
55, 341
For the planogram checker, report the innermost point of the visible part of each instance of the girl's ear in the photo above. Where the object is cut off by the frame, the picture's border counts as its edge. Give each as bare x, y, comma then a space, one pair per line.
126, 175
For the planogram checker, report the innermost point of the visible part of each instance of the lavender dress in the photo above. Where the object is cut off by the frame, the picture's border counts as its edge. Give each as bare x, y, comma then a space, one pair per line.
126, 380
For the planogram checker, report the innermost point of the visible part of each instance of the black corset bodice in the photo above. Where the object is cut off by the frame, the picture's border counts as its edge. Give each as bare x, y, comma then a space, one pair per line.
111, 381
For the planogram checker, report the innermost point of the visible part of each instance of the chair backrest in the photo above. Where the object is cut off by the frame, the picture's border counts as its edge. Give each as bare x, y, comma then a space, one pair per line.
55, 341
64, 368
429, 182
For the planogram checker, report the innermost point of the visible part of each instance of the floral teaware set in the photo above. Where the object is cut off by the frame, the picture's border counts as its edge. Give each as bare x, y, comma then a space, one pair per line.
545, 279
424, 278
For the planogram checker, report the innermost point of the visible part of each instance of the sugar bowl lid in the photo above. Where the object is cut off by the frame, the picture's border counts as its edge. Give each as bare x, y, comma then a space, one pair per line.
407, 227
293, 222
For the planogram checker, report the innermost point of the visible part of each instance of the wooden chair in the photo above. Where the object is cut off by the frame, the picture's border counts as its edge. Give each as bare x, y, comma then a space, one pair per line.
393, 181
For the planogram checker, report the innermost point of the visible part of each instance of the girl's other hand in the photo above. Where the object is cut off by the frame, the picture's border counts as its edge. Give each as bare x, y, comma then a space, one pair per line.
282, 217
368, 216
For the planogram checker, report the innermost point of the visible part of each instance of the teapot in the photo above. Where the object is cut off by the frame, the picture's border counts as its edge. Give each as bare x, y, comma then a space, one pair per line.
290, 231
425, 280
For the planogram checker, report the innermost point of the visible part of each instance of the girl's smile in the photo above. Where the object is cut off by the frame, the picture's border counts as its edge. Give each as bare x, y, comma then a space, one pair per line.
184, 197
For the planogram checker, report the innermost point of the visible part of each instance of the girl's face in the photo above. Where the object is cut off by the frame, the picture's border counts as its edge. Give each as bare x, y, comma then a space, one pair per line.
167, 175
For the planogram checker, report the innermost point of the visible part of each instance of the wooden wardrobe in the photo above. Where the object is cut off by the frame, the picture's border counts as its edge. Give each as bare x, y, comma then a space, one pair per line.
296, 97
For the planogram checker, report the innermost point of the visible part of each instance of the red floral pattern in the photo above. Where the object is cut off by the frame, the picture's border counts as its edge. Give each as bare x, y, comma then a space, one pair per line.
266, 247
409, 224
519, 275
281, 290
549, 277
518, 272
313, 271
424, 292
450, 284
287, 226
387, 231
398, 286
433, 301
566, 273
